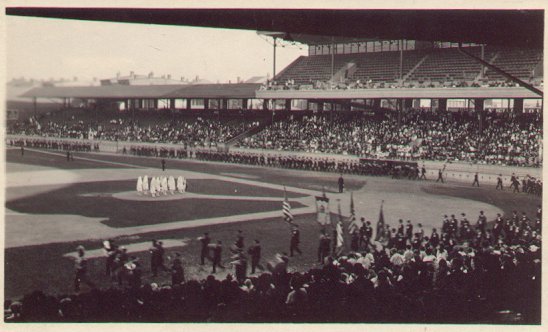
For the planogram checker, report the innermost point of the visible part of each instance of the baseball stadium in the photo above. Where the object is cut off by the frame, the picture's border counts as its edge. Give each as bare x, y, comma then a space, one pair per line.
393, 174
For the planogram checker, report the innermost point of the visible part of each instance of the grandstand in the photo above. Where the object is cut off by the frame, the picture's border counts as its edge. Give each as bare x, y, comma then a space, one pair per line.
438, 65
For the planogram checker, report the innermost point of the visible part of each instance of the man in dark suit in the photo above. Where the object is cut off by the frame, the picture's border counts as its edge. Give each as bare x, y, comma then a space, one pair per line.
295, 240
217, 252
499, 182
440, 175
205, 240
341, 184
476, 180
254, 252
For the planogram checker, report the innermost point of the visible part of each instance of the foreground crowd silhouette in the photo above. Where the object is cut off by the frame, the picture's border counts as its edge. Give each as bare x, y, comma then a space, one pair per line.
464, 273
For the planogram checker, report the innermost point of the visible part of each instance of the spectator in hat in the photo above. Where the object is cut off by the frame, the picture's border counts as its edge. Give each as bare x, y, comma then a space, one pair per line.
81, 266
177, 270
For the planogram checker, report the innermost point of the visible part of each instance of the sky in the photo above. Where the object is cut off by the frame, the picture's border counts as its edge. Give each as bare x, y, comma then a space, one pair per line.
43, 48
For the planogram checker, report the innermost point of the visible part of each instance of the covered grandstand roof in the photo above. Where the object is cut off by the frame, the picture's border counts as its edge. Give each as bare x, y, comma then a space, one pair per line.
242, 90
512, 28
106, 91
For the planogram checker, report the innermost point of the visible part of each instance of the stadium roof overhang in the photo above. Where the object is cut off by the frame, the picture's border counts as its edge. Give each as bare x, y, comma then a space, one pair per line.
307, 39
512, 28
243, 90
412, 93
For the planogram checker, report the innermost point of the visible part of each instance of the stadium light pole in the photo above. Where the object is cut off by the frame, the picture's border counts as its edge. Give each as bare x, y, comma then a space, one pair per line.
332, 57
274, 62
400, 44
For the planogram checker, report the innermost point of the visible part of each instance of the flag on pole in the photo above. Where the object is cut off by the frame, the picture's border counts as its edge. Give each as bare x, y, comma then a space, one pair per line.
380, 225
339, 245
340, 238
322, 209
339, 210
353, 222
286, 209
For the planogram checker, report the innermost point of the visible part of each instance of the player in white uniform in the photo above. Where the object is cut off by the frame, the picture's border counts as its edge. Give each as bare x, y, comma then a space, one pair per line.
153, 187
171, 184
145, 184
139, 185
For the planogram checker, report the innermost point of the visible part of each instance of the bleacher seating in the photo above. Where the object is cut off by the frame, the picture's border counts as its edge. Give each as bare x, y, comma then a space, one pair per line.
313, 68
440, 66
519, 63
448, 65
385, 66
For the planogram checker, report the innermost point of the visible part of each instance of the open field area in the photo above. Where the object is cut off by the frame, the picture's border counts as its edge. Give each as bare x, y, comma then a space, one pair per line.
53, 205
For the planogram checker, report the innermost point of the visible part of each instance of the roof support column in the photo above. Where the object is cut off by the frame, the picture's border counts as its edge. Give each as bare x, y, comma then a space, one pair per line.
206, 103
442, 104
518, 105
274, 61
288, 104
478, 107
244, 103
34, 105
376, 103
407, 103
399, 108
188, 103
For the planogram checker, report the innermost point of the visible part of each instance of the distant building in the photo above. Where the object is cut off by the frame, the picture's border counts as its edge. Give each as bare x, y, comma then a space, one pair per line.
136, 79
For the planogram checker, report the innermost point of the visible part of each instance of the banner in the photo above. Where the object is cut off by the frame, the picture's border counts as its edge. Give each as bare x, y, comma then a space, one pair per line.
322, 209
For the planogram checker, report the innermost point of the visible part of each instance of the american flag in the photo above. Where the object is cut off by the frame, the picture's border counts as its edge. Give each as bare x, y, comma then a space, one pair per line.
286, 208
353, 220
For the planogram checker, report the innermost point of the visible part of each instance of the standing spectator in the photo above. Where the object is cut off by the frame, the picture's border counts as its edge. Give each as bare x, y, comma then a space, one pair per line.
204, 253
163, 164
81, 265
440, 176
240, 240
341, 183
217, 251
423, 173
476, 180
111, 252
355, 241
409, 230
295, 240
157, 257
254, 252
515, 184
240, 267
324, 246
177, 270
499, 182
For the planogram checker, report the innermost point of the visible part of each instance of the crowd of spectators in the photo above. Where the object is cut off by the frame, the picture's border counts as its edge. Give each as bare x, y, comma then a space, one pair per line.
195, 132
191, 131
504, 138
370, 84
465, 273
59, 145
501, 138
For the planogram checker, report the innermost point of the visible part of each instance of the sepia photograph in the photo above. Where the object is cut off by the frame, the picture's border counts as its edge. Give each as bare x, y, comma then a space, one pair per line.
247, 164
